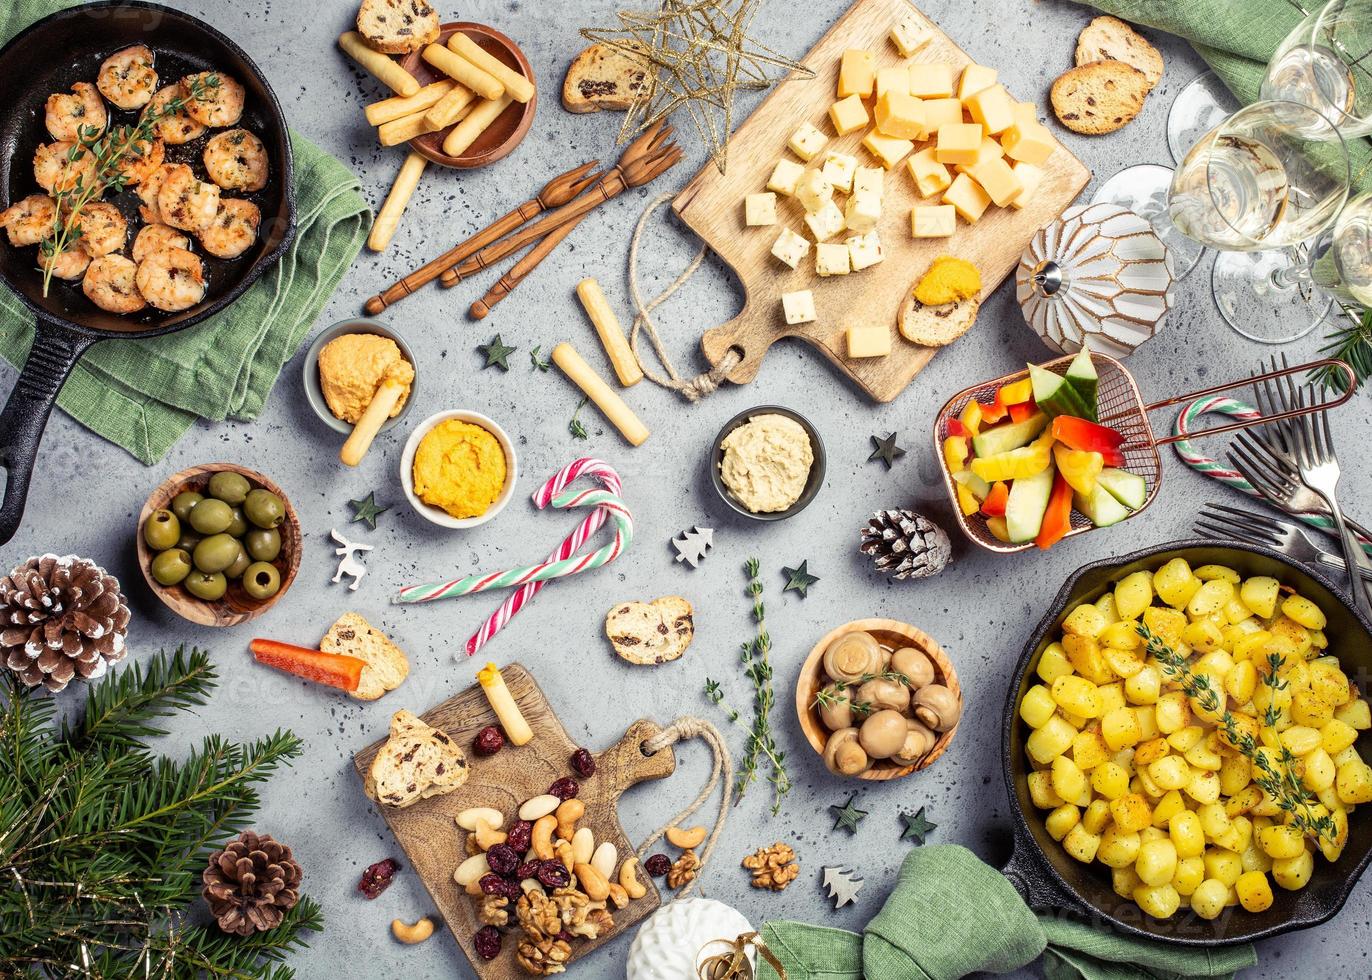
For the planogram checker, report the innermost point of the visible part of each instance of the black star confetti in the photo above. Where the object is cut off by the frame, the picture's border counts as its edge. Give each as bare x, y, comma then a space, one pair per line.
847, 816
496, 353
886, 450
916, 827
799, 579
366, 509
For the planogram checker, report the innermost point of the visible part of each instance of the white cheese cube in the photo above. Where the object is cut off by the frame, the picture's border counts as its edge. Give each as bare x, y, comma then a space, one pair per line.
760, 209
838, 169
798, 307
813, 190
933, 221
785, 176
807, 141
1030, 176
826, 222
831, 260
790, 247
869, 180
862, 212
864, 251
909, 34
869, 340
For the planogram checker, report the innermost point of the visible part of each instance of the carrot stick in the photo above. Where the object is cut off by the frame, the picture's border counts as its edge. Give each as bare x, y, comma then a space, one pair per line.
332, 669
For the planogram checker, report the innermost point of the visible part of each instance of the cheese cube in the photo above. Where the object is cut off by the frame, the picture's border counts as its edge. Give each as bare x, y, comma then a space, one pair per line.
862, 212
813, 190
901, 116
826, 222
967, 197
864, 250
1030, 176
798, 307
958, 143
857, 73
1025, 112
806, 141
940, 112
928, 81
790, 247
974, 79
933, 221
831, 259
785, 176
869, 340
889, 150
760, 209
988, 150
1027, 142
895, 78
848, 114
929, 175
993, 108
909, 34
839, 169
868, 180
997, 179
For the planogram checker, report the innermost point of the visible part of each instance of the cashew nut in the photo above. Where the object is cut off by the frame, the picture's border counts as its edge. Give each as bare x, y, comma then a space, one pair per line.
583, 845
487, 836
473, 888
565, 854
529, 885
538, 807
618, 896
469, 817
628, 878
593, 883
409, 935
471, 870
605, 858
685, 839
541, 838
567, 815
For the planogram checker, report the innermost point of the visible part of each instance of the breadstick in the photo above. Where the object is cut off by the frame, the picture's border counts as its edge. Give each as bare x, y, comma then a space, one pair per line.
516, 84
388, 219
404, 129
483, 83
464, 134
397, 107
611, 335
380, 66
621, 416
377, 412
452, 107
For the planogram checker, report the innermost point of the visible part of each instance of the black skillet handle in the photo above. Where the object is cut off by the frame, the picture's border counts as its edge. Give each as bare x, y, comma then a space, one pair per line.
1029, 873
56, 349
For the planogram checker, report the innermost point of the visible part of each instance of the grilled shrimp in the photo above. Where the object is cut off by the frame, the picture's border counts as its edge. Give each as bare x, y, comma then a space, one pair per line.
237, 161
68, 264
149, 189
140, 160
186, 201
218, 101
233, 230
127, 77
29, 221
58, 166
110, 285
173, 128
80, 114
103, 229
152, 237
171, 279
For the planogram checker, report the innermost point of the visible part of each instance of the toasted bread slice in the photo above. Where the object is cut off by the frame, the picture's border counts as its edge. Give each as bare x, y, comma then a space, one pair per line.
651, 632
417, 762
397, 26
1100, 97
604, 77
1111, 39
936, 326
386, 666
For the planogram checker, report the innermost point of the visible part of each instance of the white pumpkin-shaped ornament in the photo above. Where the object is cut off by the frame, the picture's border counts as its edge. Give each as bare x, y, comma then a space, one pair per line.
676, 938
1098, 272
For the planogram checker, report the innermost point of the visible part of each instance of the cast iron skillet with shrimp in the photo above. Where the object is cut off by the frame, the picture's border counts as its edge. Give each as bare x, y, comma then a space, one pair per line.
50, 56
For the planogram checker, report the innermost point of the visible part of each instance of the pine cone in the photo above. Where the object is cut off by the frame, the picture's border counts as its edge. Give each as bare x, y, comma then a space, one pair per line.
59, 618
251, 884
905, 545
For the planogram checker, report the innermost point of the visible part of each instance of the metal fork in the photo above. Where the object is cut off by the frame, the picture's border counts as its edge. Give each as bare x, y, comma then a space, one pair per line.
1230, 523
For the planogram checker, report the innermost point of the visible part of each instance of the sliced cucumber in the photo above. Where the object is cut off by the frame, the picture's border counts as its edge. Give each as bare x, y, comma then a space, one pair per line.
1129, 489
975, 485
1081, 376
1003, 438
1027, 504
1101, 508
1054, 395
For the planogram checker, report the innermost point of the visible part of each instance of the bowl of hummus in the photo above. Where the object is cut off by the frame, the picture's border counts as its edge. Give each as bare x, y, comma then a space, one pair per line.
346, 365
767, 463
458, 469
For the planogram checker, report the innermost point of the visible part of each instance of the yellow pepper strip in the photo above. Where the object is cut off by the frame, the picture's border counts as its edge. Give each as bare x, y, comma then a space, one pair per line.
1016, 464
1079, 468
955, 453
1016, 393
971, 417
967, 501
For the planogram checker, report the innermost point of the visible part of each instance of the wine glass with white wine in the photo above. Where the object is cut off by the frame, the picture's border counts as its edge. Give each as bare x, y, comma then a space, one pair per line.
1339, 259
1326, 64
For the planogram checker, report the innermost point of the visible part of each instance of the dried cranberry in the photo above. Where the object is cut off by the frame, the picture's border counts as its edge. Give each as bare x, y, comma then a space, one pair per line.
502, 858
487, 942
520, 835
658, 865
489, 741
492, 884
583, 763
565, 788
377, 878
529, 869
553, 874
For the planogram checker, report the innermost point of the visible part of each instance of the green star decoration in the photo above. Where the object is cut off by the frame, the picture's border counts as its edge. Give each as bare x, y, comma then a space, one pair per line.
799, 579
496, 353
886, 450
917, 828
365, 509
847, 816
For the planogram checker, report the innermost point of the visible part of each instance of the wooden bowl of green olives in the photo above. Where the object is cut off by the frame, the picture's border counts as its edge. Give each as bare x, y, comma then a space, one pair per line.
219, 544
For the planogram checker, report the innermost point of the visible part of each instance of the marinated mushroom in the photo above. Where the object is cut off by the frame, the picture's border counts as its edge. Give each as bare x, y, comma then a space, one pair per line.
882, 693
919, 742
843, 755
937, 707
883, 733
838, 712
851, 656
915, 665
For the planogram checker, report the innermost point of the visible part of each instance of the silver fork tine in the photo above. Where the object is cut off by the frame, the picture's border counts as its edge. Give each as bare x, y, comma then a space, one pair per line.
1271, 486
1247, 439
1242, 523
1275, 473
1230, 531
1326, 438
1261, 520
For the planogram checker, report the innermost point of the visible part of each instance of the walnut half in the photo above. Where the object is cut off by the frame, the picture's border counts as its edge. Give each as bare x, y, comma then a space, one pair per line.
684, 870
773, 867
492, 910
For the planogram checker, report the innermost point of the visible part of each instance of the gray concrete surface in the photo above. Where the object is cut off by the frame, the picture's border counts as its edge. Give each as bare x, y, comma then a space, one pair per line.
88, 494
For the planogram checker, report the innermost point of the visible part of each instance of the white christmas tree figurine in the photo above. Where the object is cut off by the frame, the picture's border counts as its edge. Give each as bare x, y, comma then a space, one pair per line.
843, 885
692, 545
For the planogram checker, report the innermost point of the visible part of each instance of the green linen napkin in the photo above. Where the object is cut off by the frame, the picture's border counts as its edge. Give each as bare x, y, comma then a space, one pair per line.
144, 394
952, 914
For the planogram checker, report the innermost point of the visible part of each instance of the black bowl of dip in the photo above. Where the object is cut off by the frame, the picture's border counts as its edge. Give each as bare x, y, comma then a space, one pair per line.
813, 480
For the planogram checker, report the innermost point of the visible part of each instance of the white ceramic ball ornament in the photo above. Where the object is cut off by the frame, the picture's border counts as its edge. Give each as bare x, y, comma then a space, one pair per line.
671, 943
1098, 272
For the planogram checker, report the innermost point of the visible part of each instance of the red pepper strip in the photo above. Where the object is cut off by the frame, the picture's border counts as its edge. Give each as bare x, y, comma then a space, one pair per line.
1057, 519
1091, 437
956, 428
1021, 411
333, 669
994, 504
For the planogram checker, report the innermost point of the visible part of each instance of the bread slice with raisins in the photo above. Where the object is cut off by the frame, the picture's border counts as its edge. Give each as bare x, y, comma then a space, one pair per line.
604, 77
1111, 39
397, 26
651, 632
386, 667
937, 326
1100, 97
417, 762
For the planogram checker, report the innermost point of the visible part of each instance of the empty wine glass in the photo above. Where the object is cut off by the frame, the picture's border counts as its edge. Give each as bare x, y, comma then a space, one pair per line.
1326, 63
1201, 105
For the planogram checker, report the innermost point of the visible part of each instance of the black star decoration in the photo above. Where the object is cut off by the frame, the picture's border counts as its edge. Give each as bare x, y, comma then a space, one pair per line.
916, 827
847, 816
799, 579
496, 353
365, 509
886, 450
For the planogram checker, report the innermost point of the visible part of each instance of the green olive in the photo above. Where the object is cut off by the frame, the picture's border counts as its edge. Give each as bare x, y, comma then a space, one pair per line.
238, 525
261, 580
264, 508
211, 516
161, 530
240, 564
206, 585
188, 540
216, 553
229, 487
182, 503
171, 566
263, 543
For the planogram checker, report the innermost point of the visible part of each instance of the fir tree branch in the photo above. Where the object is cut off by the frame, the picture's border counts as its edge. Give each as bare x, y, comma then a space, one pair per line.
120, 713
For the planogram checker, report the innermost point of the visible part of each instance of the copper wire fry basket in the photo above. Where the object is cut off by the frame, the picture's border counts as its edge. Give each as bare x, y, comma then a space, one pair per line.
1121, 407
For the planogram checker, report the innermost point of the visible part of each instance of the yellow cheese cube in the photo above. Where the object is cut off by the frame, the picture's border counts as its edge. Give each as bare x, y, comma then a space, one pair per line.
760, 209
857, 73
790, 248
940, 112
988, 150
889, 150
933, 221
929, 81
807, 141
909, 34
958, 143
798, 307
831, 259
930, 176
974, 79
894, 78
901, 116
997, 179
1025, 112
1027, 142
848, 114
993, 108
785, 176
967, 198
869, 340
868, 180
1030, 177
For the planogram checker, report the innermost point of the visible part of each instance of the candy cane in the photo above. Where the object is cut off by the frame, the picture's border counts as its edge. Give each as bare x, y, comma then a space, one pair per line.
1212, 468
542, 497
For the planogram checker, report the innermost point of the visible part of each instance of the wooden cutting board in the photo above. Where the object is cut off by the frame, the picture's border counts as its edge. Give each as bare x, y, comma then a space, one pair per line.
432, 841
712, 205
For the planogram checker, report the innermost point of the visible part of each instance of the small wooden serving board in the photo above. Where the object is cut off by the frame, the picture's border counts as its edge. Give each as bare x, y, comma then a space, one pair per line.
712, 205
433, 842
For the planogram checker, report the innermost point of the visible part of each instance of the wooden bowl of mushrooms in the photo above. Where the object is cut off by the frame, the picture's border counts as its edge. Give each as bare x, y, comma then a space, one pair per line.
878, 699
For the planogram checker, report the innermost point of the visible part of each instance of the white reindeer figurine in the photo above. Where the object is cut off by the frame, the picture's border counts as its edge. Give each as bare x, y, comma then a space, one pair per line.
349, 563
